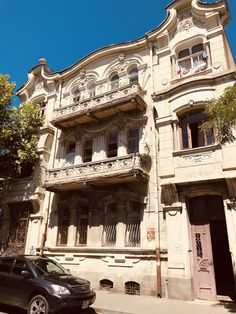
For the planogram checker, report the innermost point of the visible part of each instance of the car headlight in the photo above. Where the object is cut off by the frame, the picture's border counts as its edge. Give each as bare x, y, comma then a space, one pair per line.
59, 290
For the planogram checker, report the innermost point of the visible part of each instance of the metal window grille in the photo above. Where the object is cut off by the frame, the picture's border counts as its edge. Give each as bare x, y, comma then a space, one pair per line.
132, 287
62, 232
132, 233
82, 231
109, 231
106, 284
63, 227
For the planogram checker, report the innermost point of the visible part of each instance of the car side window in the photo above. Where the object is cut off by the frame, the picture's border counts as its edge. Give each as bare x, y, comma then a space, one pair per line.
6, 264
19, 265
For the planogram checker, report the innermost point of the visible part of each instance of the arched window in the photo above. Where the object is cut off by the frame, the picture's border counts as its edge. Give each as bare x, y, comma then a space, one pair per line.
76, 95
191, 60
191, 134
133, 75
132, 287
114, 81
106, 284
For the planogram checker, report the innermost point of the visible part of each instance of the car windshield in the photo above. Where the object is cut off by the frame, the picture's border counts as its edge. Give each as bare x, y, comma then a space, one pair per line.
49, 267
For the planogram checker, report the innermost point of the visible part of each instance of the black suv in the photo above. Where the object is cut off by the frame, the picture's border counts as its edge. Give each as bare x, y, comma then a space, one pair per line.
41, 285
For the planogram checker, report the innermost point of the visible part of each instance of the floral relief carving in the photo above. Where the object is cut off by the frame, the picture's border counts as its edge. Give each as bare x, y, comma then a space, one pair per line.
122, 64
82, 172
98, 100
186, 21
83, 78
197, 158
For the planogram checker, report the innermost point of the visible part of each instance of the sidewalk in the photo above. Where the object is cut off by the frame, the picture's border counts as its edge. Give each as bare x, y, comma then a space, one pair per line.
112, 303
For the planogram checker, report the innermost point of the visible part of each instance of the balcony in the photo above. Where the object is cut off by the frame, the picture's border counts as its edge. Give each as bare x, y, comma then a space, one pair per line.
114, 170
124, 99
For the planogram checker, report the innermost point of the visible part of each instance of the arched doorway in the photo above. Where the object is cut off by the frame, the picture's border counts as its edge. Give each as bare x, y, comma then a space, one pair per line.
213, 272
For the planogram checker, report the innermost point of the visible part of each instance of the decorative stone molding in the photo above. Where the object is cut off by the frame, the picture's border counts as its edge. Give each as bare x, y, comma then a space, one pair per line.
130, 165
98, 100
186, 21
197, 158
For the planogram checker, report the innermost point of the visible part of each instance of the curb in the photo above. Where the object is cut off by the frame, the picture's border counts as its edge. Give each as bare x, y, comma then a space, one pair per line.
107, 311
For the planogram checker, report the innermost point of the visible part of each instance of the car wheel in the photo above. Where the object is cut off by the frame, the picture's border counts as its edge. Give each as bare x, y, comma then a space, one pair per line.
38, 305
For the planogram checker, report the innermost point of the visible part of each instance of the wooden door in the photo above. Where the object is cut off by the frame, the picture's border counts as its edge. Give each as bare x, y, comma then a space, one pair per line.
204, 276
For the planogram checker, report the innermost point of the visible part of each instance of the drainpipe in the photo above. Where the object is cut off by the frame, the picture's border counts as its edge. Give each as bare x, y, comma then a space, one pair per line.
46, 218
158, 253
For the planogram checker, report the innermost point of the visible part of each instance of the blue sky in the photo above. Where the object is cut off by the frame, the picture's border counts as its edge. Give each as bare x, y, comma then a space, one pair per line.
63, 31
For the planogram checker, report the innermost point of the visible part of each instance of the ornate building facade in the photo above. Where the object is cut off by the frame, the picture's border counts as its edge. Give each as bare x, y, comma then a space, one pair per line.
129, 192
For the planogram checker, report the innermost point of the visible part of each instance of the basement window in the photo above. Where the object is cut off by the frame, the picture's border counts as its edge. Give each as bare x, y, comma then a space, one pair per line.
132, 287
106, 284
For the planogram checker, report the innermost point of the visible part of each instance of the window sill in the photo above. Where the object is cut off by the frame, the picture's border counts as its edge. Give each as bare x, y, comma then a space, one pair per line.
196, 150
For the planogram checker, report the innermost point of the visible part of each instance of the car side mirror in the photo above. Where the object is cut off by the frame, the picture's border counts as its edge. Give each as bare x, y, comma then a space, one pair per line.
25, 273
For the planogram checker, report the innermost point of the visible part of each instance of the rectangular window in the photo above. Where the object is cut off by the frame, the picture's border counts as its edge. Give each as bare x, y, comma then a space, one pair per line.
63, 227
109, 228
82, 227
133, 141
191, 60
112, 145
88, 150
132, 232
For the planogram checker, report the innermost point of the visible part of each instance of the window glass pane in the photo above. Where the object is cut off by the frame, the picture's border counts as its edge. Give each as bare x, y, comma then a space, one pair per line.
19, 266
184, 133
112, 145
88, 150
183, 53
133, 141
197, 137
91, 90
197, 48
6, 264
63, 227
109, 227
114, 81
192, 135
133, 75
210, 137
185, 66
